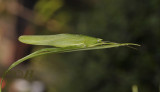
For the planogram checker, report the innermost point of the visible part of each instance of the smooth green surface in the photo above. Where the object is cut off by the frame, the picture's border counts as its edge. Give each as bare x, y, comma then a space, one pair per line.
46, 40
61, 40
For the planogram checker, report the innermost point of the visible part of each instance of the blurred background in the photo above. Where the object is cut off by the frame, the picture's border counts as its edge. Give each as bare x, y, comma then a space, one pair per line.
108, 70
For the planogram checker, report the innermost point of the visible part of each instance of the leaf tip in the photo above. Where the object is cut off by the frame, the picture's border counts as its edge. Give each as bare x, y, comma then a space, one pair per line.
20, 38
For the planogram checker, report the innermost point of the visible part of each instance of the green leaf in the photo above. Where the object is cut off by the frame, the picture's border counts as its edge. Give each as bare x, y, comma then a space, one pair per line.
60, 40
62, 50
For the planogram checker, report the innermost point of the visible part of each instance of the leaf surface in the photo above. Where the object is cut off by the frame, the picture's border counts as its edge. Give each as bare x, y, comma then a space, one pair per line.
61, 50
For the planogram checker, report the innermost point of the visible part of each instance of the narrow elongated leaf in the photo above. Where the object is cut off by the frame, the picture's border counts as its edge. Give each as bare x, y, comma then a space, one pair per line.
60, 40
62, 50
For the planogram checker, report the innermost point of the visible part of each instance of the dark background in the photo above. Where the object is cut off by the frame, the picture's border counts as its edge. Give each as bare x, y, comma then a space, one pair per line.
107, 70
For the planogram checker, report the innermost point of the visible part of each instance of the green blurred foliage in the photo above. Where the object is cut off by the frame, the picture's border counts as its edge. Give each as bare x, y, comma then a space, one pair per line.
48, 7
110, 70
